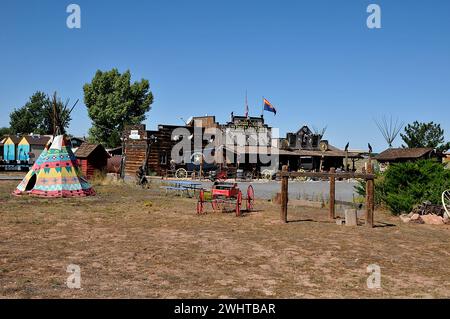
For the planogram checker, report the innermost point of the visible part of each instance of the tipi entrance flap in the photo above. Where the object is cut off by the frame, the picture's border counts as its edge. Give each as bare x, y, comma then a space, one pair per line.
31, 182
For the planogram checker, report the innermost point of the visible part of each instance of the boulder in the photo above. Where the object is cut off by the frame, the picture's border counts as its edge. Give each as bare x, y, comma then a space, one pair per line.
404, 218
432, 219
446, 219
415, 217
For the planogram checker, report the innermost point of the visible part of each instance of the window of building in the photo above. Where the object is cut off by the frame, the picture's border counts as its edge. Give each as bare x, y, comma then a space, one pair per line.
163, 158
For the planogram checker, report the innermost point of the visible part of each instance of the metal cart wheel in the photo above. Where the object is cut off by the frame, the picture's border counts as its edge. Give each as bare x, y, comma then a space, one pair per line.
181, 173
200, 202
216, 203
238, 204
266, 174
250, 202
446, 201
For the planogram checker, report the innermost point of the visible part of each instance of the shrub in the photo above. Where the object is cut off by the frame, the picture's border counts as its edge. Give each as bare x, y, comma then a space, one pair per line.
411, 183
404, 185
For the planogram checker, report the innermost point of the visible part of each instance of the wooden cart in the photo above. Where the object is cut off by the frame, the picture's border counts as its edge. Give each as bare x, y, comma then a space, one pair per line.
226, 195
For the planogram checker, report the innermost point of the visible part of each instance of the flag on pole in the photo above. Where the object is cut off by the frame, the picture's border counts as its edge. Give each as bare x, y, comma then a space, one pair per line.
269, 107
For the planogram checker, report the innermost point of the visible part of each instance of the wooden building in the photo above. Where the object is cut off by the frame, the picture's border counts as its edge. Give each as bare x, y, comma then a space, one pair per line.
153, 148
399, 155
250, 139
312, 153
206, 121
92, 158
30, 147
300, 150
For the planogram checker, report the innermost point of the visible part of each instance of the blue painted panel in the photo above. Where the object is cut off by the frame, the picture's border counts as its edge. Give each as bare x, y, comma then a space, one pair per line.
9, 152
22, 152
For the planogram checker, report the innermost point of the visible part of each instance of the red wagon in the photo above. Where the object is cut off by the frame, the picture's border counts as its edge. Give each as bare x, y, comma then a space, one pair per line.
223, 195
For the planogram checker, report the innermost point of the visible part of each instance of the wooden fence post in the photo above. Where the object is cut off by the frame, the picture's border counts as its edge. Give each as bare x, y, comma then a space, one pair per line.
332, 193
370, 193
284, 194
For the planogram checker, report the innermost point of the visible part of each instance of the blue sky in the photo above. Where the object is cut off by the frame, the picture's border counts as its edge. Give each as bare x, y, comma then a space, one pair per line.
316, 61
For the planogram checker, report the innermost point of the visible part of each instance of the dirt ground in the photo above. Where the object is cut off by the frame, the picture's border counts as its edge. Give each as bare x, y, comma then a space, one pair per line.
134, 243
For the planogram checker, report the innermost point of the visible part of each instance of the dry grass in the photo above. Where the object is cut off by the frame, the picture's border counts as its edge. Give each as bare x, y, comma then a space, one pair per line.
131, 242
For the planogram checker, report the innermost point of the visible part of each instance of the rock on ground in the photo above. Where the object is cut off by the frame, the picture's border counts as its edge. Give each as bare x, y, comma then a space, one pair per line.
432, 219
405, 218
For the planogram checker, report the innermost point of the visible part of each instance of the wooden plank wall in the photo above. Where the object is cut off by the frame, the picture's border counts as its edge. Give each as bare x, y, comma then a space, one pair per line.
135, 150
87, 168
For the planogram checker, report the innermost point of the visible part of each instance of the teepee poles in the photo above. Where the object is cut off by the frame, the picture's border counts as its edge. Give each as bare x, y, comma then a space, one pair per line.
389, 128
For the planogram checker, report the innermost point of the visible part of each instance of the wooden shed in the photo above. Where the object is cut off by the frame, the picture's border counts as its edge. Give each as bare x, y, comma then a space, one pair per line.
398, 155
92, 157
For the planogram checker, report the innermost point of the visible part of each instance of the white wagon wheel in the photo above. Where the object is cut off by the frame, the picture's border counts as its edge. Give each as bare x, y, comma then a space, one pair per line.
301, 178
266, 174
446, 201
181, 173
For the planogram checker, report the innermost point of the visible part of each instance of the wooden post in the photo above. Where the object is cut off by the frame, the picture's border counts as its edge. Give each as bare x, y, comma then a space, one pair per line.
346, 161
332, 193
284, 194
370, 202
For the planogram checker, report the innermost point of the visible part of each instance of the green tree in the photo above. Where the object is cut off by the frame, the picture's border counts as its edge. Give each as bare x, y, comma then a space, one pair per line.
4, 131
36, 116
420, 134
114, 102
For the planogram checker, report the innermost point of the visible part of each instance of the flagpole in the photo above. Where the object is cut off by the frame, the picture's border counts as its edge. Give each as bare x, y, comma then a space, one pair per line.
262, 112
246, 105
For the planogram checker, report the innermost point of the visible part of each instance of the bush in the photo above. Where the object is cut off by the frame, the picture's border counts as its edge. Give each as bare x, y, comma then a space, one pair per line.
404, 185
408, 184
360, 189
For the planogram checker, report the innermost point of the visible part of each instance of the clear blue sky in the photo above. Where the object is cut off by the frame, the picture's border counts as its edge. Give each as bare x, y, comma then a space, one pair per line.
316, 61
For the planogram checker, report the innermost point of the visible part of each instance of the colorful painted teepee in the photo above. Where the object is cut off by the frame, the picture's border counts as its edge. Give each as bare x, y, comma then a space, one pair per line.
55, 173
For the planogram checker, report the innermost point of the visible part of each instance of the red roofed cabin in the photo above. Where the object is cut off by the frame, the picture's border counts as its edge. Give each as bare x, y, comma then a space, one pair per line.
92, 157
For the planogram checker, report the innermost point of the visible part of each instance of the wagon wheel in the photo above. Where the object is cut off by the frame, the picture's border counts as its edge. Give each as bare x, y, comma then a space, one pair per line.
446, 201
238, 204
200, 202
266, 174
250, 202
216, 204
181, 173
301, 178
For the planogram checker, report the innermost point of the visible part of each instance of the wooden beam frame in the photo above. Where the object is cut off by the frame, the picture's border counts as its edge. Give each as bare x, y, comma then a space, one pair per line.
332, 176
